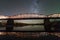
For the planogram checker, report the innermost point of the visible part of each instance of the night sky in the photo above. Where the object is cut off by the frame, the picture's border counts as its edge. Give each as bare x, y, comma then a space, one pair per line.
12, 7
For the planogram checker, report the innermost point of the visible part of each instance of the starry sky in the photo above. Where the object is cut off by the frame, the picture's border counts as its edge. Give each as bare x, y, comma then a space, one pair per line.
12, 7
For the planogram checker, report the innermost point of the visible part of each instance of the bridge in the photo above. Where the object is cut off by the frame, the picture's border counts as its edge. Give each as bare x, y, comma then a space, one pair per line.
46, 19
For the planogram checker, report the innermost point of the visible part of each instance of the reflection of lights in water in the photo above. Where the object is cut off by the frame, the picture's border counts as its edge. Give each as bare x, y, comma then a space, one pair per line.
1, 33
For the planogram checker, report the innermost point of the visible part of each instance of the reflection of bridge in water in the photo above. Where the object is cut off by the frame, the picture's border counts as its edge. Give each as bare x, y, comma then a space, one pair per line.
47, 24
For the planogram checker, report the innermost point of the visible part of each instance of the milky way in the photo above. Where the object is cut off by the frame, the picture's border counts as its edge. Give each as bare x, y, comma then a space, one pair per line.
35, 7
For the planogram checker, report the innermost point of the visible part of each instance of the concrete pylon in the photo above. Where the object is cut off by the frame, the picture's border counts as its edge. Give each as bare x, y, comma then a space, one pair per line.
47, 24
10, 24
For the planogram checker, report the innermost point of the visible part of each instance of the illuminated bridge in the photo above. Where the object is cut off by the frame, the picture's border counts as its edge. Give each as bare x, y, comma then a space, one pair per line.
27, 16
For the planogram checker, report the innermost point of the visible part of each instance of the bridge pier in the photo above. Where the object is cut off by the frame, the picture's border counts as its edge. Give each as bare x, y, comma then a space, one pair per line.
10, 24
47, 24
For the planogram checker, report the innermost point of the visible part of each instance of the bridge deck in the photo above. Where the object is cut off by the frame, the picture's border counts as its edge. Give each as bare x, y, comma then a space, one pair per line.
32, 18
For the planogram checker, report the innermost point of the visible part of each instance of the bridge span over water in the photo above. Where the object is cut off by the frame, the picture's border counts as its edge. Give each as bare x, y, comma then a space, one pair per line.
46, 18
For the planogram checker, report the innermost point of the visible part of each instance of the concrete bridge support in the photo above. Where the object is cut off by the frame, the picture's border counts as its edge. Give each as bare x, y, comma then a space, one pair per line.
10, 24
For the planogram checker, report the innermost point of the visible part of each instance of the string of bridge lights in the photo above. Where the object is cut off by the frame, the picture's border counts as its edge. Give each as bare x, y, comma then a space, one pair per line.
29, 16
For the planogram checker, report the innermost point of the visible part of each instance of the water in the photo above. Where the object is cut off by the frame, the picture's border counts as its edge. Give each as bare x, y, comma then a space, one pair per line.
27, 28
2, 28
30, 28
